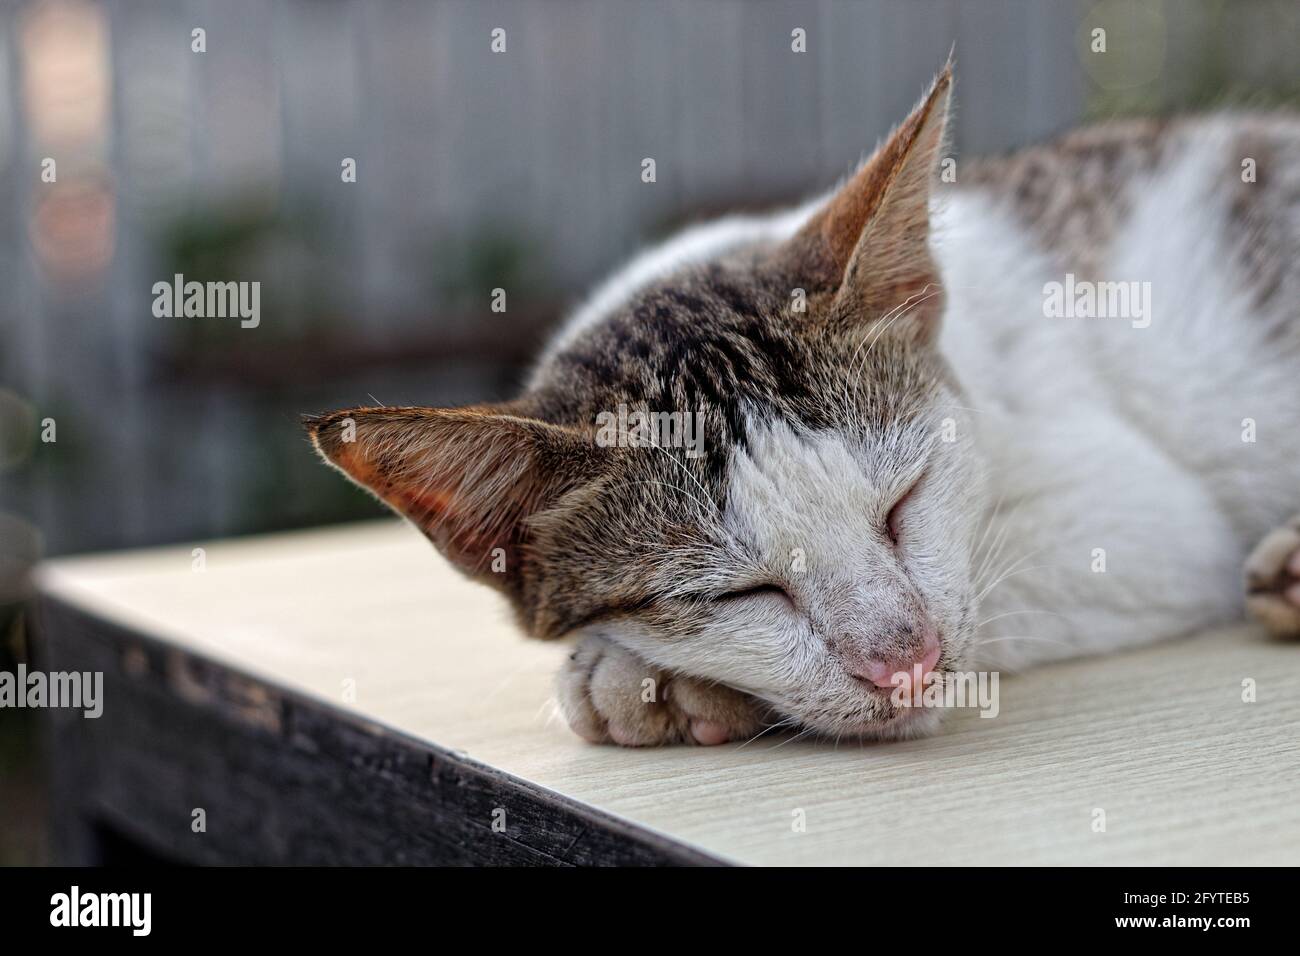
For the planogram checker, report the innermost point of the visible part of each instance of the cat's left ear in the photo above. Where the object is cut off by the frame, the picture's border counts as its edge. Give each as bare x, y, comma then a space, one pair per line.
871, 241
469, 478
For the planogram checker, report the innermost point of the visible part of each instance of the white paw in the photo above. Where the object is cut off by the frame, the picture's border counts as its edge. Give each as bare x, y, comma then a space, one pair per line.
609, 695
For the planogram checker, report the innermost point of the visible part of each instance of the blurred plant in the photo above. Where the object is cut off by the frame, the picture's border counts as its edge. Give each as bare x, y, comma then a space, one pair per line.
464, 270
1235, 65
300, 253
241, 240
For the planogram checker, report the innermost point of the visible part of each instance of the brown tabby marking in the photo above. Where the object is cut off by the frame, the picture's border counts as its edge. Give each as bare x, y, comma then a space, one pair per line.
1071, 193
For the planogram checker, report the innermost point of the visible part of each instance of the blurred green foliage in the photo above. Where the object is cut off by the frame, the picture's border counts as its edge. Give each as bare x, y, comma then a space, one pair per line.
1238, 62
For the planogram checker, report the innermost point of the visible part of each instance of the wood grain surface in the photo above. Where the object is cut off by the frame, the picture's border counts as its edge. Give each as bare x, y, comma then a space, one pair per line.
370, 619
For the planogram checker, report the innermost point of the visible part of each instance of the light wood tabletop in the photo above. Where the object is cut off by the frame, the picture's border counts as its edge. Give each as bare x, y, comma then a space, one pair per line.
369, 619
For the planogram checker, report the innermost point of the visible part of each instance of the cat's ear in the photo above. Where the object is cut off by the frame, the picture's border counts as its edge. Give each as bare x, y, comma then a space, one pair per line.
871, 240
469, 478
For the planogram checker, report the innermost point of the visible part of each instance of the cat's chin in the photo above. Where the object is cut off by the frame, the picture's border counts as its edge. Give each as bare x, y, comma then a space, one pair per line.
907, 723
910, 723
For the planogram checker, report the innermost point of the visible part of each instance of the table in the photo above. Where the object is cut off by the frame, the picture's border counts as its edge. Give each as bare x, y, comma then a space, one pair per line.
342, 696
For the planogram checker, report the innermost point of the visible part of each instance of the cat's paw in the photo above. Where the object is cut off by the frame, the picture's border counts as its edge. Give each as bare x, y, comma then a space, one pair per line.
609, 695
1273, 580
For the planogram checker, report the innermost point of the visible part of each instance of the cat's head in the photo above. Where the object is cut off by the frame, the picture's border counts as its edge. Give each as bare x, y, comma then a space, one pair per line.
802, 524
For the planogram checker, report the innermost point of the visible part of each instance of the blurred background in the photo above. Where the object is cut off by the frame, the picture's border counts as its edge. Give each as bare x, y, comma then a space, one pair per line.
475, 170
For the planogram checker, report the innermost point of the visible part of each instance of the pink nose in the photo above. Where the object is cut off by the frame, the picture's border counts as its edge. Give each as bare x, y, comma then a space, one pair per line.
881, 673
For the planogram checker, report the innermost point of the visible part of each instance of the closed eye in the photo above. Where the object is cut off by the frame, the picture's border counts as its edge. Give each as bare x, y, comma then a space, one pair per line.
894, 520
758, 590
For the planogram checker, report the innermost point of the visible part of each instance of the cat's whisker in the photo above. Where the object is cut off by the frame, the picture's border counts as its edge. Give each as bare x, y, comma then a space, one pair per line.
995, 550
780, 724
1001, 539
1001, 580
978, 555
998, 617
799, 736
988, 525
552, 707
1023, 637
981, 663
1018, 561
990, 546
906, 306
872, 334
867, 333
665, 484
686, 471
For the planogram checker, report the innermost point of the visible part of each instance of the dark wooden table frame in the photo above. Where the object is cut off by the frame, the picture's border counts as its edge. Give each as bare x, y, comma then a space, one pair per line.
281, 778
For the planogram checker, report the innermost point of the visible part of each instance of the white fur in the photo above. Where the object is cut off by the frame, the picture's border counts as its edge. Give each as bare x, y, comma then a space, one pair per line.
1101, 435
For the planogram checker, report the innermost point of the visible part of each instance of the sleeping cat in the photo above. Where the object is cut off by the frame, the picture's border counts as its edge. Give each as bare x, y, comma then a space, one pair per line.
1079, 461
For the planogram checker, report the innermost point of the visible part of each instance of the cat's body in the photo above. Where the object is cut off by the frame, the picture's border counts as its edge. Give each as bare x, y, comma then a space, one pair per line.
875, 495
1135, 440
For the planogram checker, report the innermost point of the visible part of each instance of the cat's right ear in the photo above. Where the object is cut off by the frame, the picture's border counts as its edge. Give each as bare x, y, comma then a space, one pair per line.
870, 241
469, 478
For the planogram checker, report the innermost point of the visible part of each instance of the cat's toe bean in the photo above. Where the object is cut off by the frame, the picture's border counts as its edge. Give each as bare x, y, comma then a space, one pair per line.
716, 714
709, 733
648, 734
